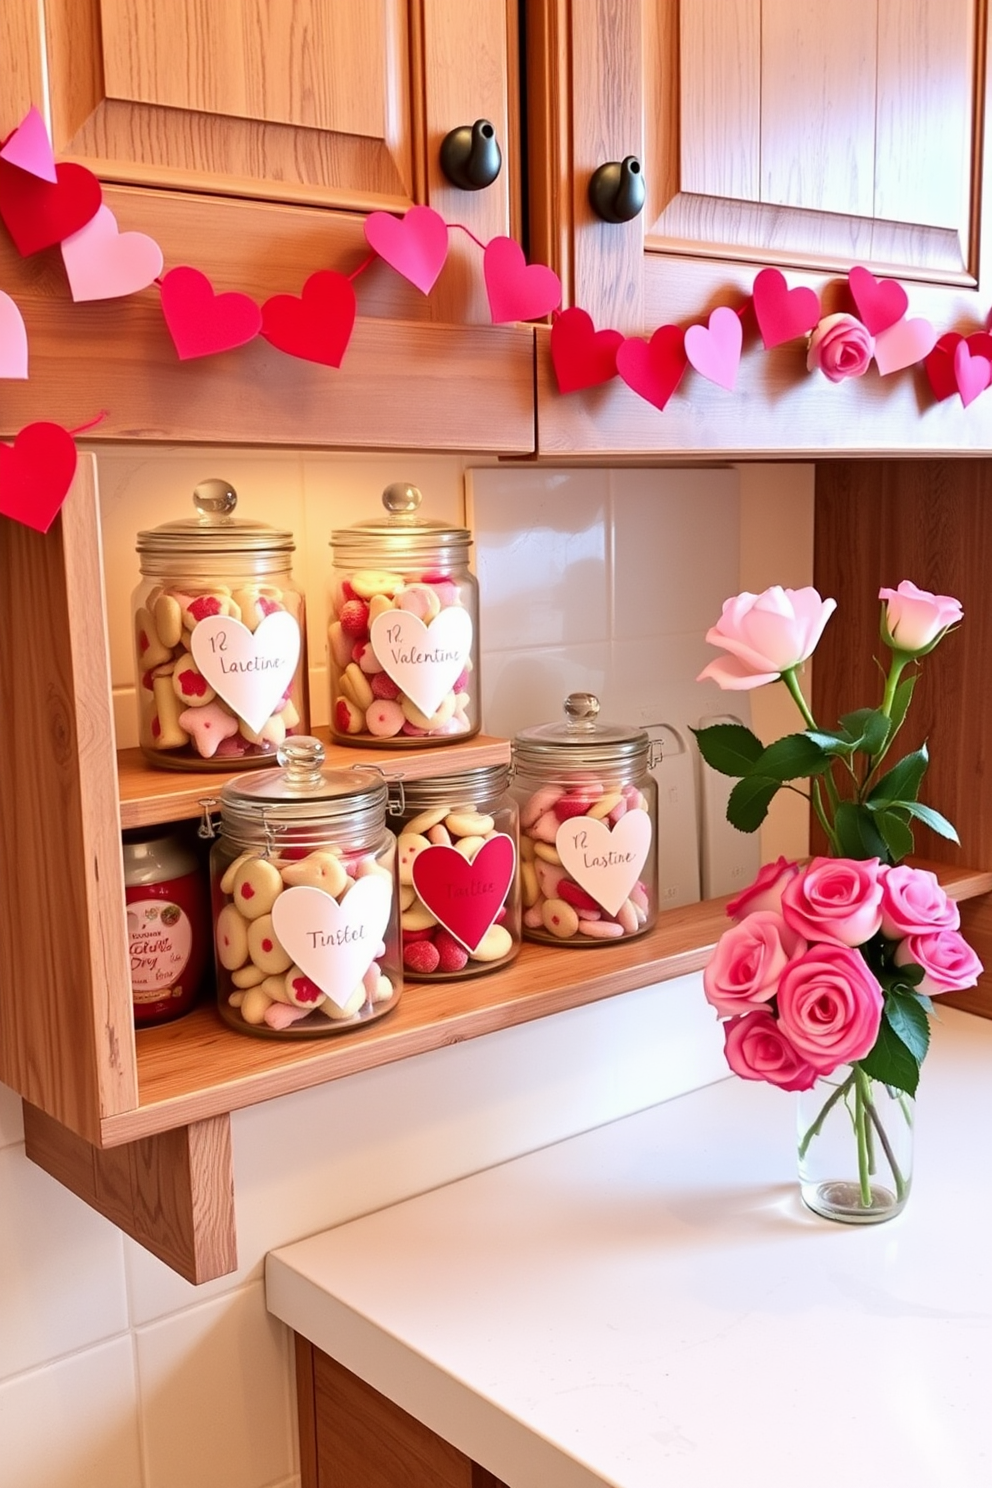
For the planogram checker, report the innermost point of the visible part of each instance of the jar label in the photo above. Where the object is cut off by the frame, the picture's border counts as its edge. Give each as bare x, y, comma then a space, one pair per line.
465, 897
160, 939
425, 661
334, 944
251, 670
606, 863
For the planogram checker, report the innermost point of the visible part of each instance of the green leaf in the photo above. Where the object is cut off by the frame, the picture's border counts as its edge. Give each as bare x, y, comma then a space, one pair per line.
891, 1062
868, 728
831, 743
901, 701
931, 819
902, 782
749, 800
729, 747
897, 833
909, 1022
857, 832
791, 757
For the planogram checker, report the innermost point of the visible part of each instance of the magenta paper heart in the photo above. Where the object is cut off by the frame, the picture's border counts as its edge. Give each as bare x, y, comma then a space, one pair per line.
783, 313
971, 373
880, 302
582, 356
715, 349
201, 322
939, 366
35, 474
415, 245
318, 325
333, 943
13, 340
517, 290
465, 897
903, 344
30, 149
654, 368
102, 263
38, 213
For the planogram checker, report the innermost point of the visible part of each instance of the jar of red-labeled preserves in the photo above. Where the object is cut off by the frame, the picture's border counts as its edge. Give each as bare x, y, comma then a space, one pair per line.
168, 922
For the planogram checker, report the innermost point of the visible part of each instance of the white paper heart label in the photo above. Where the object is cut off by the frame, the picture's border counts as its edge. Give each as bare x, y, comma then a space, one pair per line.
607, 864
334, 944
423, 660
250, 670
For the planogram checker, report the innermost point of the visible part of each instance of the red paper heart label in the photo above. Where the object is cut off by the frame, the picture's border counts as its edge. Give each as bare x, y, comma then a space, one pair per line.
517, 290
783, 313
38, 213
465, 897
880, 302
654, 368
582, 356
415, 245
201, 322
939, 366
318, 325
35, 474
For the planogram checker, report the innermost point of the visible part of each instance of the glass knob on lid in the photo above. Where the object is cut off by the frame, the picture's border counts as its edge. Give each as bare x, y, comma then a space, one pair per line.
582, 709
214, 497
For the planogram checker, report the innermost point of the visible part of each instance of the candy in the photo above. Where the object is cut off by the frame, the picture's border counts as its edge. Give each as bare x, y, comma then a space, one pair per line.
231, 937
559, 918
264, 949
256, 884
320, 870
494, 945
421, 957
189, 684
384, 719
208, 726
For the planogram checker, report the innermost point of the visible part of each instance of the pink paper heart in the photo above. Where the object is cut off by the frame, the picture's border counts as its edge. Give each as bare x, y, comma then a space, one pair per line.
102, 263
517, 290
880, 302
903, 344
415, 245
35, 474
13, 340
715, 349
201, 322
939, 365
971, 373
654, 368
783, 313
30, 149
581, 355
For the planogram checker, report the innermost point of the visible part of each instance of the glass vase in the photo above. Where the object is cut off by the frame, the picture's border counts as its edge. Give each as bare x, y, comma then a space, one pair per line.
855, 1147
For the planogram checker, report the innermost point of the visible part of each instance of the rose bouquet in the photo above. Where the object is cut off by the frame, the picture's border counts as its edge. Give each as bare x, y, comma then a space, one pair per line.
828, 970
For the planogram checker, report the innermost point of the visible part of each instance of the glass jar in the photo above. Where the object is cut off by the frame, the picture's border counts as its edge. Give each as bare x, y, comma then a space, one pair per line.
588, 828
219, 639
168, 922
457, 867
306, 929
403, 630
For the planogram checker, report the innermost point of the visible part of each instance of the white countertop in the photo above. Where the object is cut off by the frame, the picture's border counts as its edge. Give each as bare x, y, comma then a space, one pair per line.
649, 1305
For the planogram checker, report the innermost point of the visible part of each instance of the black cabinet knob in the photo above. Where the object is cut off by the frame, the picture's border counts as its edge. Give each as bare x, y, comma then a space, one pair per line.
616, 190
470, 156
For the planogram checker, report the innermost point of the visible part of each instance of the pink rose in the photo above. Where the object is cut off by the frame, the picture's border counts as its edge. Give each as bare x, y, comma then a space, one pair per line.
914, 619
948, 962
829, 1006
840, 347
766, 635
748, 960
838, 900
913, 903
757, 1049
766, 891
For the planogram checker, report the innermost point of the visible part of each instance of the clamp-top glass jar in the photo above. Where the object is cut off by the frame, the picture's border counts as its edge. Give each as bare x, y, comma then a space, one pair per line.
588, 825
458, 883
403, 631
219, 639
306, 932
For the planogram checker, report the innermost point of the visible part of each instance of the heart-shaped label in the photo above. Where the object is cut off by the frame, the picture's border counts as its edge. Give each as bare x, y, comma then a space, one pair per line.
250, 670
880, 302
415, 245
903, 344
318, 325
38, 213
517, 290
654, 368
35, 474
13, 340
102, 263
30, 148
971, 373
607, 864
783, 313
465, 897
334, 944
715, 348
423, 660
582, 356
201, 322
939, 366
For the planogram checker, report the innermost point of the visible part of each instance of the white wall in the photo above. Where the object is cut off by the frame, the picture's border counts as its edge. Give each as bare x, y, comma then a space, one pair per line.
114, 1373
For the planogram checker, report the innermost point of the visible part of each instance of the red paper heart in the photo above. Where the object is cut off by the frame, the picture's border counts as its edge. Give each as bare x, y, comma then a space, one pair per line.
38, 213
201, 322
35, 474
654, 368
517, 290
582, 356
971, 373
880, 302
980, 344
939, 366
415, 245
318, 325
783, 313
465, 897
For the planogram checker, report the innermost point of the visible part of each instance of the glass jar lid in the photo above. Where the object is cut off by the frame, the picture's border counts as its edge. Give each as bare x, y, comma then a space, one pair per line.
403, 533
481, 783
303, 794
212, 533
581, 739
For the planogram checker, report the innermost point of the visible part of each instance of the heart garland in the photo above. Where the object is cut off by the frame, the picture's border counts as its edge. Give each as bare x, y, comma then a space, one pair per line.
318, 325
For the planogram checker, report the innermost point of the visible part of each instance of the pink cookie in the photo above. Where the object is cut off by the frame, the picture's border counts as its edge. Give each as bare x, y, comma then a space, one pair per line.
207, 726
384, 719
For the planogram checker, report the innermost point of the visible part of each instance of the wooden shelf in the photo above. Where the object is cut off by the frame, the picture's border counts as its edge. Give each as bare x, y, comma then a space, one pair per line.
197, 1067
